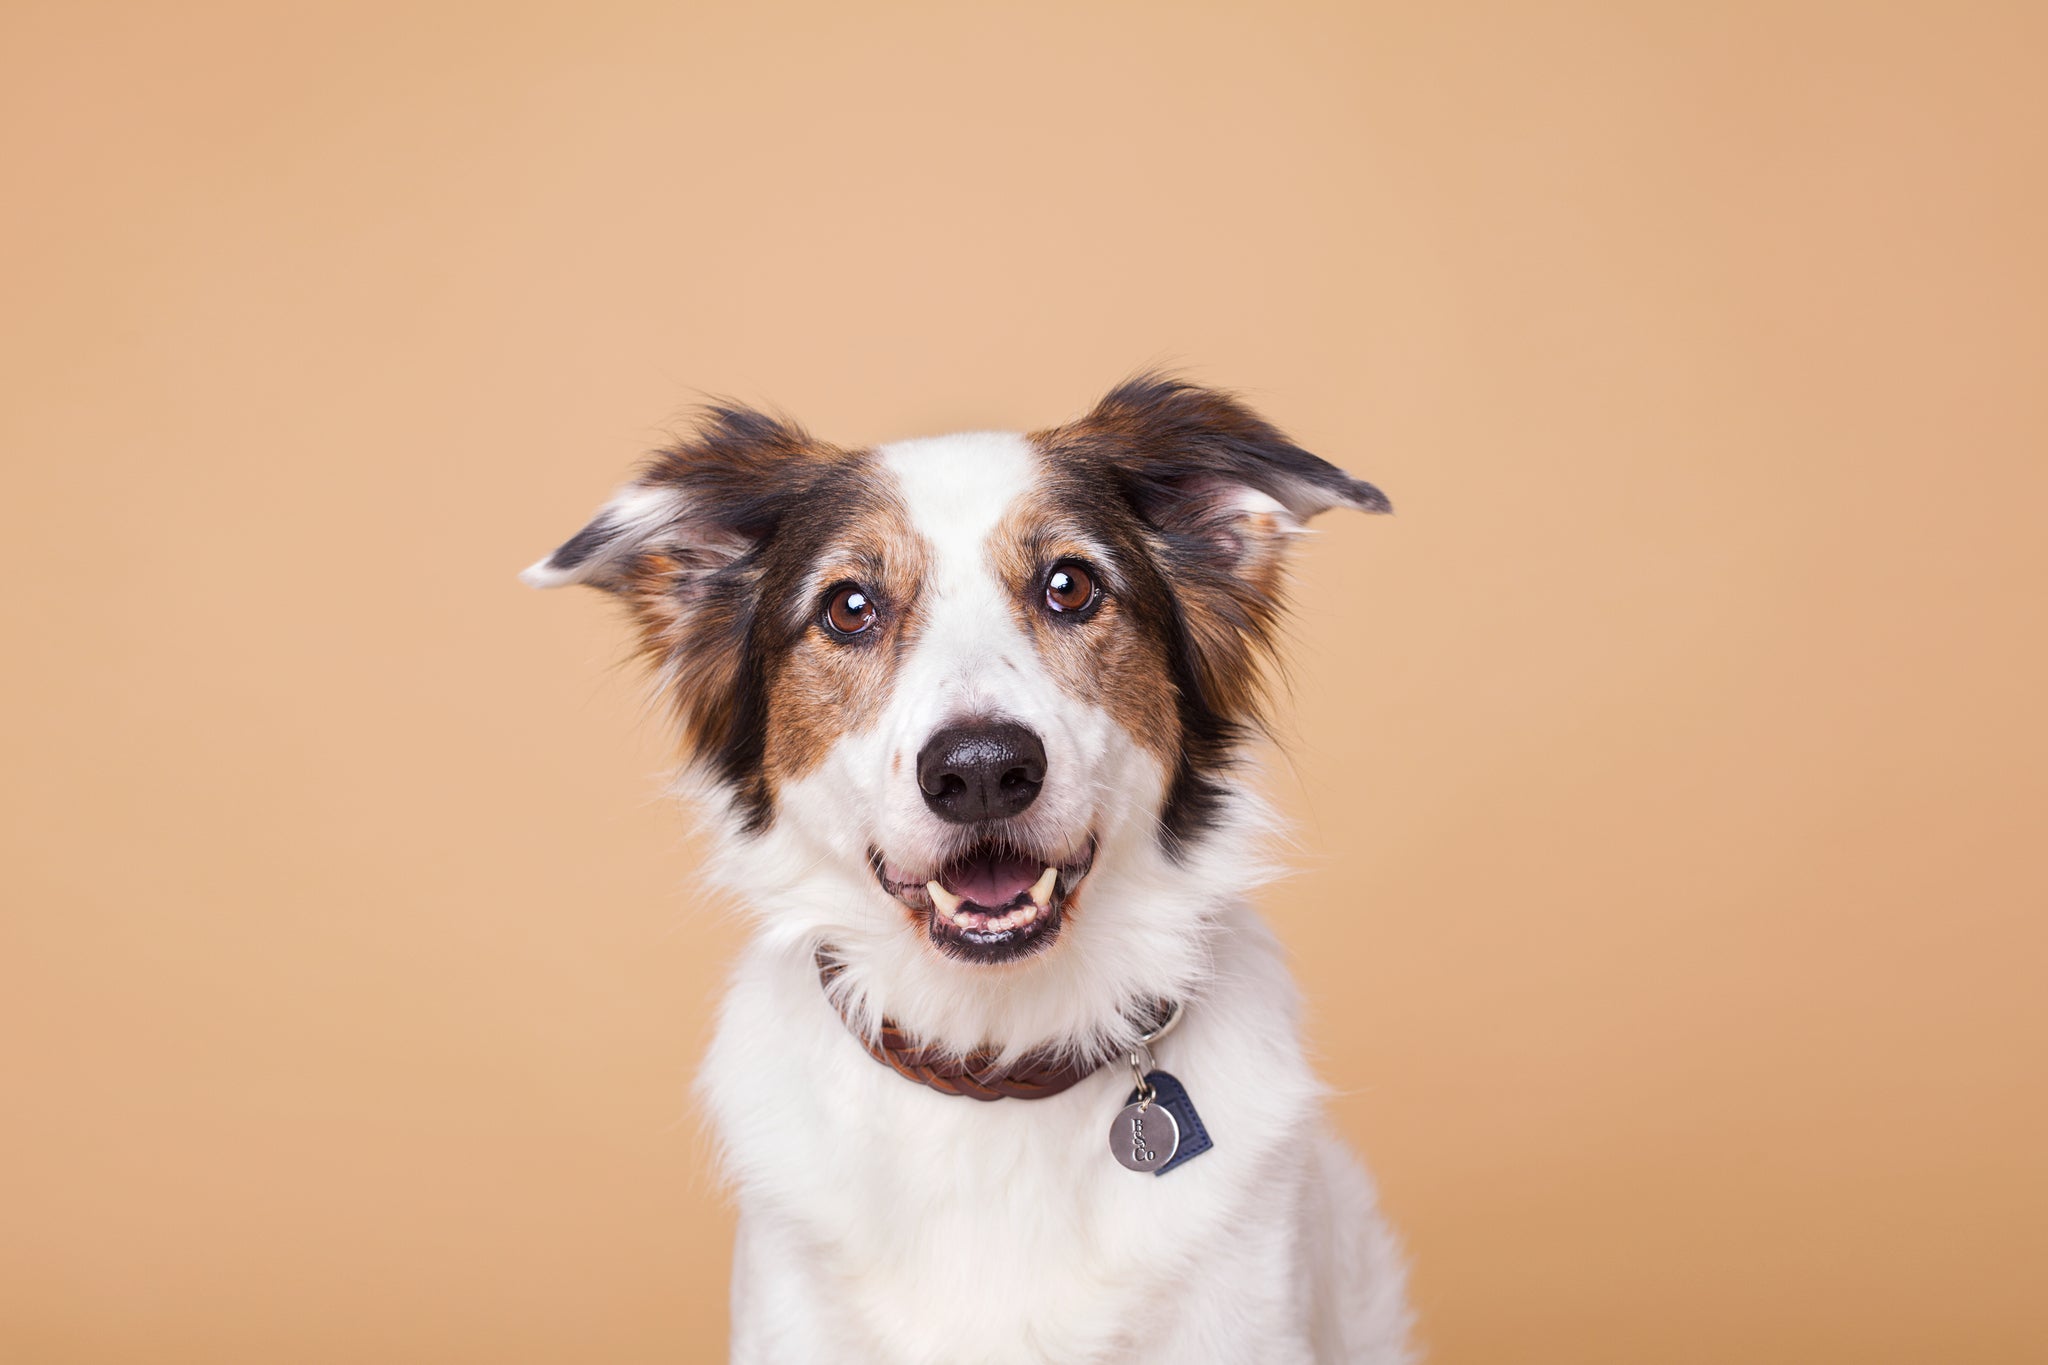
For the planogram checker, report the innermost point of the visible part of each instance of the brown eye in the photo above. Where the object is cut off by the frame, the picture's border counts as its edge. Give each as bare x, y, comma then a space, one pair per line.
1069, 587
849, 610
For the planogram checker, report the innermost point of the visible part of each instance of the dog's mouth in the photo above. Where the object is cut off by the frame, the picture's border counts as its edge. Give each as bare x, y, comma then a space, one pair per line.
994, 903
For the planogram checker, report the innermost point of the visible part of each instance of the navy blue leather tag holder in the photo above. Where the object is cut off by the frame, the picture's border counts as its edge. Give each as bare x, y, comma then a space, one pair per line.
1194, 1138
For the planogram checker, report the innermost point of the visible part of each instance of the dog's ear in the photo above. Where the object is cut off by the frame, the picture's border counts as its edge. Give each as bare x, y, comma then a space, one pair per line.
1223, 493
699, 506
1198, 462
639, 518
683, 547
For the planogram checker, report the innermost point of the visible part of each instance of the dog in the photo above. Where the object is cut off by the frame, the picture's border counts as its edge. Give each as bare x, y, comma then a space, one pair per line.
1010, 1070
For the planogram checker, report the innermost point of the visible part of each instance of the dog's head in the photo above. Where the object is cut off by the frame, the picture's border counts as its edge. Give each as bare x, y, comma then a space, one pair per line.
955, 683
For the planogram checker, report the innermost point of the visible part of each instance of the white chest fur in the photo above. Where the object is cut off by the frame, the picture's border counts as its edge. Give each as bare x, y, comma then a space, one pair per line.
884, 1221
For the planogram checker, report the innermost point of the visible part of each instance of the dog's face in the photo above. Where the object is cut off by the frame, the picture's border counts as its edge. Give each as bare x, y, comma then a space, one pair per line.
966, 669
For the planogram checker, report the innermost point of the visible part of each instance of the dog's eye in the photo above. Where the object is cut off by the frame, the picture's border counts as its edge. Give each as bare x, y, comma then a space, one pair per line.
848, 609
1070, 587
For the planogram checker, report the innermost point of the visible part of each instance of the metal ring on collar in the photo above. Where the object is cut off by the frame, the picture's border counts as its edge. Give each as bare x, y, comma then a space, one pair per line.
1172, 1021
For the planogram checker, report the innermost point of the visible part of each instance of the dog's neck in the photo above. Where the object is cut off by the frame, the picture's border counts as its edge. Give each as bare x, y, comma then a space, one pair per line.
984, 1074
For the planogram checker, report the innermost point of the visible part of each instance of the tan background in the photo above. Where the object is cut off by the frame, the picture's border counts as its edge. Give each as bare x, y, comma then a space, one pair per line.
1670, 771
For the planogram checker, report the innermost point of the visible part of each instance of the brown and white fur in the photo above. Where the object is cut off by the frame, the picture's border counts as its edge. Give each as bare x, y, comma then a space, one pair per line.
1093, 604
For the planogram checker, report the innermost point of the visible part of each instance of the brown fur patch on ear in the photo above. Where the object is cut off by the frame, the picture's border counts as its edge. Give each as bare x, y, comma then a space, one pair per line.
663, 593
1229, 574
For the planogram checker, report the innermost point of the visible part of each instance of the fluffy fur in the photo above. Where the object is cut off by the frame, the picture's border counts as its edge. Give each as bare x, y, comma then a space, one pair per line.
881, 1221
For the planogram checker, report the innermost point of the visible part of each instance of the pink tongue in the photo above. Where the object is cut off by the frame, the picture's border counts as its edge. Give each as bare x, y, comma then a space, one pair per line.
991, 882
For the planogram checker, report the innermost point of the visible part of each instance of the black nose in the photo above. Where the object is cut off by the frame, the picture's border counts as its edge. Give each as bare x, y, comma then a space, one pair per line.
981, 771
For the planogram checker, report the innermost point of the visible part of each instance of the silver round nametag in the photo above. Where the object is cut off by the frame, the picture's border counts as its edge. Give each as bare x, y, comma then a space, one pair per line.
1144, 1137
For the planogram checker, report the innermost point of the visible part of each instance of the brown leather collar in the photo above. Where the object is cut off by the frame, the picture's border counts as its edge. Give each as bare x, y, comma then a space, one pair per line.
1034, 1076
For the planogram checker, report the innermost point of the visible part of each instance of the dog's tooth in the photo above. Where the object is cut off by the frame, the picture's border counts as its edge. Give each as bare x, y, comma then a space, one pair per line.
1027, 914
948, 903
962, 918
1041, 891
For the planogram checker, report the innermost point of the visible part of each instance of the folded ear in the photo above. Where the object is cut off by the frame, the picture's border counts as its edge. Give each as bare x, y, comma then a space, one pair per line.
1198, 460
698, 506
1224, 493
640, 518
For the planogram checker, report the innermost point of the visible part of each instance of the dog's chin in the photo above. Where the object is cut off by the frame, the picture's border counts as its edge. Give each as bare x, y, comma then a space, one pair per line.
994, 903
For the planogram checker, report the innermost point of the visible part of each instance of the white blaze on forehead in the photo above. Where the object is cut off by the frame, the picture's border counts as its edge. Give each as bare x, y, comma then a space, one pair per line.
957, 490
